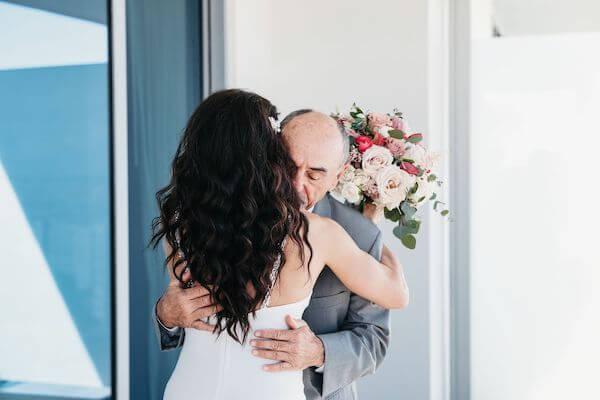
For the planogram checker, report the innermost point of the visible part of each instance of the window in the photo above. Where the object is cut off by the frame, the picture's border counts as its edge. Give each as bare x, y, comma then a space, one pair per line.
55, 231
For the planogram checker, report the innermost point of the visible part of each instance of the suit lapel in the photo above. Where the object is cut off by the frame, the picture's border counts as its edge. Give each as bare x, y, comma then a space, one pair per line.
323, 207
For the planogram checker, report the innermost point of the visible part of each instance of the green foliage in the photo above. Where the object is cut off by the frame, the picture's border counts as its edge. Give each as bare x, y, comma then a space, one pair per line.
409, 241
415, 139
407, 210
393, 215
396, 134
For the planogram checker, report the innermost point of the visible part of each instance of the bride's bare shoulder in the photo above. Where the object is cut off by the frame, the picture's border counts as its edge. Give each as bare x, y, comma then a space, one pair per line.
320, 227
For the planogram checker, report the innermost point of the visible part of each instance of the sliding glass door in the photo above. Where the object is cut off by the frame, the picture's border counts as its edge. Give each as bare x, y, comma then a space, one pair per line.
55, 214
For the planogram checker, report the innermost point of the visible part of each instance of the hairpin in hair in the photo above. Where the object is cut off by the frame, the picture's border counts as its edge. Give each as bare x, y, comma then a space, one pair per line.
275, 124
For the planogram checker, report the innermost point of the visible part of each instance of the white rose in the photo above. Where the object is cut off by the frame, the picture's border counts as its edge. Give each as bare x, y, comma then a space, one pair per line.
360, 178
349, 174
384, 131
393, 184
424, 189
419, 155
351, 192
376, 158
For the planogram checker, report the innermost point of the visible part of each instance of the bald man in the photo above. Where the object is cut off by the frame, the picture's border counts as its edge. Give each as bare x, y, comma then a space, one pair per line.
341, 336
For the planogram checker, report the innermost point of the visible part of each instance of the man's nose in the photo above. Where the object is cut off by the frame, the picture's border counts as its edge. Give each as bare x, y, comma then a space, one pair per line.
299, 185
299, 182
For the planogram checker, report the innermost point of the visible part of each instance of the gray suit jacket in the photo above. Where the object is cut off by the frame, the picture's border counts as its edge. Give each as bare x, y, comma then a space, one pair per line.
354, 331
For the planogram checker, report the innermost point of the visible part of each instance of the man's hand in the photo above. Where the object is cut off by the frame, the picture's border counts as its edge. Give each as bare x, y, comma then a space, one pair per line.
295, 349
373, 212
186, 308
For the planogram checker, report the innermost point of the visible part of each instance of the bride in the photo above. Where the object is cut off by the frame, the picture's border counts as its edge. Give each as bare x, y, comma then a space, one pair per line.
231, 215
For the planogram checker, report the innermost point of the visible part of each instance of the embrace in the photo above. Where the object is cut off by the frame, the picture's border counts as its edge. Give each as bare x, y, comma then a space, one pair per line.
277, 290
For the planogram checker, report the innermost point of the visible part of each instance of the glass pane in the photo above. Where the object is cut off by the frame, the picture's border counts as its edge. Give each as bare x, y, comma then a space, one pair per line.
55, 338
534, 258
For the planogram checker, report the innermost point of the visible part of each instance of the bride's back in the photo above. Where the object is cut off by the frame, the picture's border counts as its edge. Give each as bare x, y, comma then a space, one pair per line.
230, 204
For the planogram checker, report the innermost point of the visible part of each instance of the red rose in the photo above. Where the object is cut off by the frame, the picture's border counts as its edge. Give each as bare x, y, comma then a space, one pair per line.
410, 168
379, 139
363, 143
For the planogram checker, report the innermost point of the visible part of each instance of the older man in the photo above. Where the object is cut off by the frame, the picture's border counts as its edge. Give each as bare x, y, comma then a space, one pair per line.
342, 336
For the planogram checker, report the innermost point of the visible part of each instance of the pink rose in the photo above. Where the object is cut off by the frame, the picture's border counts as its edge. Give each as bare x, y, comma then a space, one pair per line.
364, 143
396, 146
400, 124
410, 168
376, 158
379, 119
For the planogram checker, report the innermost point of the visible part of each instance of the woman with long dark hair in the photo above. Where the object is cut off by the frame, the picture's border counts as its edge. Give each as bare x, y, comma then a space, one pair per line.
232, 216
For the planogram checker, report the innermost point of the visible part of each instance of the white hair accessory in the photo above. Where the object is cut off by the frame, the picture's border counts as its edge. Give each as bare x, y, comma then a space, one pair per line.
275, 124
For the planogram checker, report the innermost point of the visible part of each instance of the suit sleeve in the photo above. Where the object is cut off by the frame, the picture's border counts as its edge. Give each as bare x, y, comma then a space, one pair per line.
361, 344
168, 339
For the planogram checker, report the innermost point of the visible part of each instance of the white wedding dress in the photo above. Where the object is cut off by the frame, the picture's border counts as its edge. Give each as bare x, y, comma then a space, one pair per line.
219, 368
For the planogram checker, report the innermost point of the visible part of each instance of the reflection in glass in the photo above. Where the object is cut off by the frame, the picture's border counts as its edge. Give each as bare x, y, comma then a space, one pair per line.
54, 203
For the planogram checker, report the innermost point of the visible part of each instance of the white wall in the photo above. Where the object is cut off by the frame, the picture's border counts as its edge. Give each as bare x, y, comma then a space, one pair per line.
380, 54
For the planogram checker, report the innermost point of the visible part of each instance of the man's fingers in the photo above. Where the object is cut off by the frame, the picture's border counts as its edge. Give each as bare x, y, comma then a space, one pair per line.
278, 367
272, 355
294, 323
187, 275
202, 326
277, 334
195, 292
276, 345
199, 302
203, 312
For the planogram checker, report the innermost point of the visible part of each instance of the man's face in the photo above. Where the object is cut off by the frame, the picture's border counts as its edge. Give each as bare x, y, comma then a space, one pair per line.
316, 146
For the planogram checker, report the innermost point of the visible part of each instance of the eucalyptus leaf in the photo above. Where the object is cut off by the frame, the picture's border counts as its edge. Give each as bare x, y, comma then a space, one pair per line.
396, 134
407, 210
431, 178
409, 241
445, 212
433, 196
411, 226
436, 204
414, 189
393, 215
414, 139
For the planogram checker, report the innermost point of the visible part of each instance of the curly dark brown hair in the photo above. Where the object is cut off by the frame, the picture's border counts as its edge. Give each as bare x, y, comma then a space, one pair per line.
230, 204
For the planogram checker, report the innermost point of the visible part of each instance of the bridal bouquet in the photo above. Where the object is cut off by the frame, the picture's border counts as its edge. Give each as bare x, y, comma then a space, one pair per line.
389, 169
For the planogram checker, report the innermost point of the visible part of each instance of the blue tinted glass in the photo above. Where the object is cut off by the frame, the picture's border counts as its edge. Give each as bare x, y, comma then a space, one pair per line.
54, 200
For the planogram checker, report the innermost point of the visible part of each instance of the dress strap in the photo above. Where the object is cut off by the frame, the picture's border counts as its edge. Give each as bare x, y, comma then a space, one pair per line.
273, 276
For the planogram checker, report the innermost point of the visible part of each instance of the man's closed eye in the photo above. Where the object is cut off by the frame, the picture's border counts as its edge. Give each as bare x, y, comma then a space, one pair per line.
313, 176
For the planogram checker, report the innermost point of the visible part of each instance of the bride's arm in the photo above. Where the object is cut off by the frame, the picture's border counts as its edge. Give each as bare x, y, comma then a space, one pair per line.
381, 282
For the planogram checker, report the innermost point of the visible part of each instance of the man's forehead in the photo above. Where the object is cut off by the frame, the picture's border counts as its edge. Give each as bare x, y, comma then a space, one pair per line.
315, 154
312, 121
